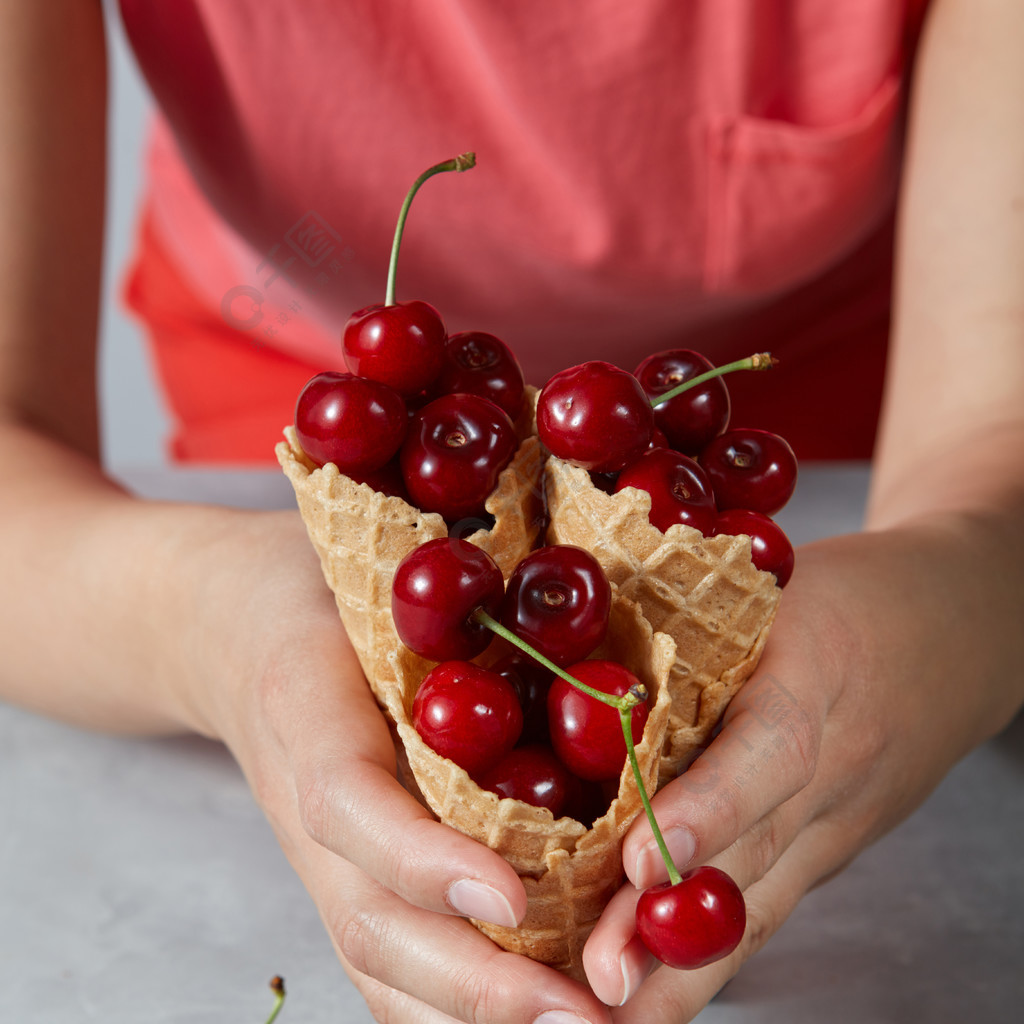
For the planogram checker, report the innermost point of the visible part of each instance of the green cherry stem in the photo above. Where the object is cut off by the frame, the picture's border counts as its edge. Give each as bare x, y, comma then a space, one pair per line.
759, 361
623, 704
463, 162
277, 987
627, 732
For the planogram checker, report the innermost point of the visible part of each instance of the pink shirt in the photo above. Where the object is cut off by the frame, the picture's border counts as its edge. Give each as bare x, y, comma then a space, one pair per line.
658, 173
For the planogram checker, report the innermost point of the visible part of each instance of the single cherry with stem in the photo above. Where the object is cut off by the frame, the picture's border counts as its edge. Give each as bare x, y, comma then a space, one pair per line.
438, 589
692, 419
400, 343
692, 919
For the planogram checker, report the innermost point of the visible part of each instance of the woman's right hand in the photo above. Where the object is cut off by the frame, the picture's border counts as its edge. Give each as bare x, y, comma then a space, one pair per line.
273, 675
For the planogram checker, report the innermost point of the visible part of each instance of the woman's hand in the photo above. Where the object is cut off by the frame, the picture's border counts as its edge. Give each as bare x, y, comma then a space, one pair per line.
275, 677
893, 654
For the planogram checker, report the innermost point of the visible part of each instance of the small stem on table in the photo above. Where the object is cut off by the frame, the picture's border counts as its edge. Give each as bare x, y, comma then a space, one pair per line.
463, 162
759, 361
277, 987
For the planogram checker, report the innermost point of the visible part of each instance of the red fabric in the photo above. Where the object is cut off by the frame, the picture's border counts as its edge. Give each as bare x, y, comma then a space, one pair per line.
716, 175
229, 396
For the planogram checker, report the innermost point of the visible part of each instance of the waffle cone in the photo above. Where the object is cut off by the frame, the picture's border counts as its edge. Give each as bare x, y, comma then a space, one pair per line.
570, 872
361, 535
704, 592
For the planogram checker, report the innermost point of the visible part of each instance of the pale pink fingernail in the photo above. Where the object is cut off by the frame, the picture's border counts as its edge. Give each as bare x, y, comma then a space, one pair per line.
560, 1017
478, 900
650, 867
636, 963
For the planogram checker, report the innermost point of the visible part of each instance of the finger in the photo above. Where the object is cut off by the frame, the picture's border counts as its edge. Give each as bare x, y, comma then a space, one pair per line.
347, 798
678, 996
766, 752
443, 962
614, 957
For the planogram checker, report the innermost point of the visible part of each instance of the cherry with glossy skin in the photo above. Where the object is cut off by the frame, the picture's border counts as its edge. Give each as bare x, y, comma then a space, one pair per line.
437, 588
534, 775
694, 922
388, 480
695, 417
401, 345
468, 714
770, 548
750, 469
531, 681
454, 451
595, 416
680, 490
357, 424
478, 363
558, 600
585, 733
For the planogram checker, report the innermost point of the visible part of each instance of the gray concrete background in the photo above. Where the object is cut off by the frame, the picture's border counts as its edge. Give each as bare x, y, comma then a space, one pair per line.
133, 420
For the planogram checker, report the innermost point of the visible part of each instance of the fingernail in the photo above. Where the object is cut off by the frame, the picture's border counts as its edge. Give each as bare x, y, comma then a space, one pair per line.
559, 1017
636, 963
650, 867
475, 899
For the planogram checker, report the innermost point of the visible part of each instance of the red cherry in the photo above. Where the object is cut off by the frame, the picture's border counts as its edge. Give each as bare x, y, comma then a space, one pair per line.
585, 733
468, 714
557, 600
388, 480
353, 422
680, 490
401, 345
531, 681
436, 589
595, 416
770, 548
695, 922
695, 417
533, 775
750, 469
456, 447
477, 363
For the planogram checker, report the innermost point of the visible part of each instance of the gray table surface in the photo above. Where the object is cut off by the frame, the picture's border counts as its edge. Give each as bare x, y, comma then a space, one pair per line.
139, 882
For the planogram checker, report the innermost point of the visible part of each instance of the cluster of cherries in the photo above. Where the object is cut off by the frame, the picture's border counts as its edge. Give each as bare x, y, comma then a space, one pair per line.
430, 418
448, 601
664, 429
422, 415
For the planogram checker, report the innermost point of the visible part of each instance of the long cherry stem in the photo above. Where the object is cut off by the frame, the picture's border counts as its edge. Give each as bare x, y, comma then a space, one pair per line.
627, 732
759, 361
463, 162
624, 704
277, 987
